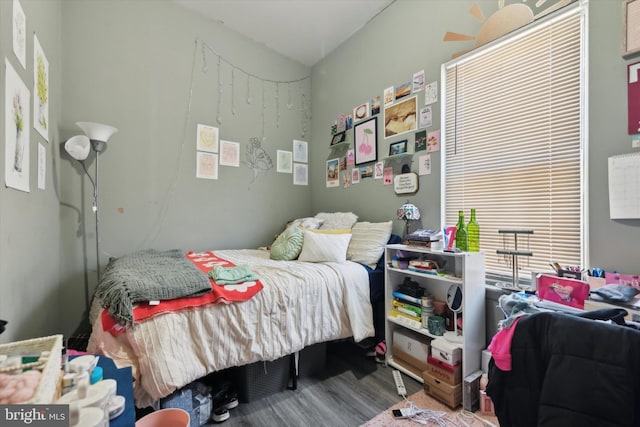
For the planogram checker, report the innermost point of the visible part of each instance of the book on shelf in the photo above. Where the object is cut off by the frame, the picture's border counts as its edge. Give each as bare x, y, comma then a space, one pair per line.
405, 319
406, 297
424, 236
418, 243
407, 307
395, 312
423, 270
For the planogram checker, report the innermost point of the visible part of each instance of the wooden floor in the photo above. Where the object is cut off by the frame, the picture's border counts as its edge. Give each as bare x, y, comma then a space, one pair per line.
352, 390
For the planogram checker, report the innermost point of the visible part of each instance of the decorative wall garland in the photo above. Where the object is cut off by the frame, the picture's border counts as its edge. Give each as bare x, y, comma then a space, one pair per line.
303, 107
257, 159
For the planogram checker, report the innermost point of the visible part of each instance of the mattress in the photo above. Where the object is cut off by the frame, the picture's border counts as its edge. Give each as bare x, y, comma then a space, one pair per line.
301, 304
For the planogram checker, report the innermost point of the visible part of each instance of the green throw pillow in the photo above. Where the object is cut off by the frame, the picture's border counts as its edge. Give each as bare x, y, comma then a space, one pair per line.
288, 244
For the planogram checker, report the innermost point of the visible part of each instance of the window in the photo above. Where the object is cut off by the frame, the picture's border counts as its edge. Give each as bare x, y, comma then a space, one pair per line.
514, 143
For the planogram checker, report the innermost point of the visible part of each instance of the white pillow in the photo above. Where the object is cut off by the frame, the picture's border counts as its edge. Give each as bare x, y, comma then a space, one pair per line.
321, 247
337, 220
308, 222
368, 241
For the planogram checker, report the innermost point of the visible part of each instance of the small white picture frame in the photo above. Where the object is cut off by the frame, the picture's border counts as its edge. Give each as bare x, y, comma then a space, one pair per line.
300, 174
284, 164
300, 153
229, 153
207, 138
206, 165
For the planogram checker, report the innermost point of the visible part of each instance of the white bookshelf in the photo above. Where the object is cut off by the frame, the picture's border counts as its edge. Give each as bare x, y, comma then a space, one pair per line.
463, 268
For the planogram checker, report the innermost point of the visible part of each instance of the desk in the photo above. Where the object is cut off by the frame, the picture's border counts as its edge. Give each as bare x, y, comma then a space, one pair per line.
124, 378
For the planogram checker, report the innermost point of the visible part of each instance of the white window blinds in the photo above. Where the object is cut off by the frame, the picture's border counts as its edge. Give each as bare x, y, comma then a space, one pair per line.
513, 143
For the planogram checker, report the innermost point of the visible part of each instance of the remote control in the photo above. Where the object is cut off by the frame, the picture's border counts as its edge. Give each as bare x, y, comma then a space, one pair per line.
397, 377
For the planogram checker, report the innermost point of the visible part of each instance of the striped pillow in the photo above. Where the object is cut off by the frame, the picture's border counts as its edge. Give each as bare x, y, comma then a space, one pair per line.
368, 240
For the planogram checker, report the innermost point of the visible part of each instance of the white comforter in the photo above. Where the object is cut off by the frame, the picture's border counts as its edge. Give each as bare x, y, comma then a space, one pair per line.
301, 304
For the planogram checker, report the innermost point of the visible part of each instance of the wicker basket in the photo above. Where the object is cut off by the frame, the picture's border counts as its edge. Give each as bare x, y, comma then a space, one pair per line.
50, 367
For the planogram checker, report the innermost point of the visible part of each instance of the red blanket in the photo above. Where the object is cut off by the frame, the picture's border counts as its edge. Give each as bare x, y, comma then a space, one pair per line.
205, 261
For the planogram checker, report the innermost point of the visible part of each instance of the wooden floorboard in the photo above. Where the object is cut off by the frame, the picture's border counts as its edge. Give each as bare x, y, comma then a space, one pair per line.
350, 391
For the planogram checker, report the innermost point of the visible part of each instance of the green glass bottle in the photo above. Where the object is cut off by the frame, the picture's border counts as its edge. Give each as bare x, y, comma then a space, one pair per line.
473, 233
461, 233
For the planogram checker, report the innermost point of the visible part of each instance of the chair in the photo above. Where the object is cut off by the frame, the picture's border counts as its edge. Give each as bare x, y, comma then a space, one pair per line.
169, 417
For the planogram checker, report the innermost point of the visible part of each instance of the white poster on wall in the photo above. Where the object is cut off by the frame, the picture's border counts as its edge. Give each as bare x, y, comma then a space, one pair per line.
40, 90
19, 33
16, 149
42, 166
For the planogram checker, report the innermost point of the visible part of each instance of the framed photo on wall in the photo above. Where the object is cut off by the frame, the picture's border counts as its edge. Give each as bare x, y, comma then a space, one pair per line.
401, 117
338, 138
399, 147
365, 137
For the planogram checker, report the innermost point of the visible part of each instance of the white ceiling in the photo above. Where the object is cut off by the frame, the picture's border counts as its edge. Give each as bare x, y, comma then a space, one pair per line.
303, 30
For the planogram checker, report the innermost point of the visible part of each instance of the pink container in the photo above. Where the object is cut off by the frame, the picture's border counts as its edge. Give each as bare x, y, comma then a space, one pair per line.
169, 417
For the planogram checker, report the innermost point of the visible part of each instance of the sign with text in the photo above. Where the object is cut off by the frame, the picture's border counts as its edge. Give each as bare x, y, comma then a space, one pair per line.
405, 183
34, 415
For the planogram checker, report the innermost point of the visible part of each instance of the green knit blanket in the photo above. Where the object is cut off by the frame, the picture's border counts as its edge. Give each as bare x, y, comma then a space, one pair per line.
148, 275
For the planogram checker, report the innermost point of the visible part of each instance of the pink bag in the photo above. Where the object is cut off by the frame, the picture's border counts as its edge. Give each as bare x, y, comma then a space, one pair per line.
571, 292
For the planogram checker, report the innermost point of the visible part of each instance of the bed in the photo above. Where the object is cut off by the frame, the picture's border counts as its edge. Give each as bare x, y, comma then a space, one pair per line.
303, 301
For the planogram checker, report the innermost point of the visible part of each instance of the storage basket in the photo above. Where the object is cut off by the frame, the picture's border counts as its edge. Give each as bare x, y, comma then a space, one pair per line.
257, 380
50, 367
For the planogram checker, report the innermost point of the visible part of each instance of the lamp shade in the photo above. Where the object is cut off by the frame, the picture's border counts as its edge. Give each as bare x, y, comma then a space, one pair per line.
78, 147
97, 131
408, 211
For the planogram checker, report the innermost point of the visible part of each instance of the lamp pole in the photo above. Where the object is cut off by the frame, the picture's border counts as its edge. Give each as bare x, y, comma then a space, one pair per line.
98, 147
95, 210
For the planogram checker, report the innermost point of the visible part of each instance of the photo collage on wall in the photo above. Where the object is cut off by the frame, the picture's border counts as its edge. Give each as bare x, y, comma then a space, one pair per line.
395, 124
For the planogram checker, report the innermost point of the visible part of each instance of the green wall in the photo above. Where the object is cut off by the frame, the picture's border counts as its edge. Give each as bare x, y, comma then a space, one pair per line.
135, 65
612, 242
31, 297
408, 37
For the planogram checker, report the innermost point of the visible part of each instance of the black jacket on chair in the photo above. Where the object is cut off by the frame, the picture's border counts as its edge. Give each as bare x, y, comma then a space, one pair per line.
568, 371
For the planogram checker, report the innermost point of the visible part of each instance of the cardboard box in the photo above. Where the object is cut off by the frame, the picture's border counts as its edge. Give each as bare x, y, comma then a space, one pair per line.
450, 374
398, 358
414, 365
450, 395
411, 348
445, 351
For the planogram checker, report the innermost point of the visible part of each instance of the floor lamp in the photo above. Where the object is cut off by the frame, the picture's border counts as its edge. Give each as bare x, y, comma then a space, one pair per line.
95, 137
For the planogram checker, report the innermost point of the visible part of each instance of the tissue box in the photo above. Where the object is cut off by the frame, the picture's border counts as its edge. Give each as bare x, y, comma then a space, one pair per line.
445, 351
